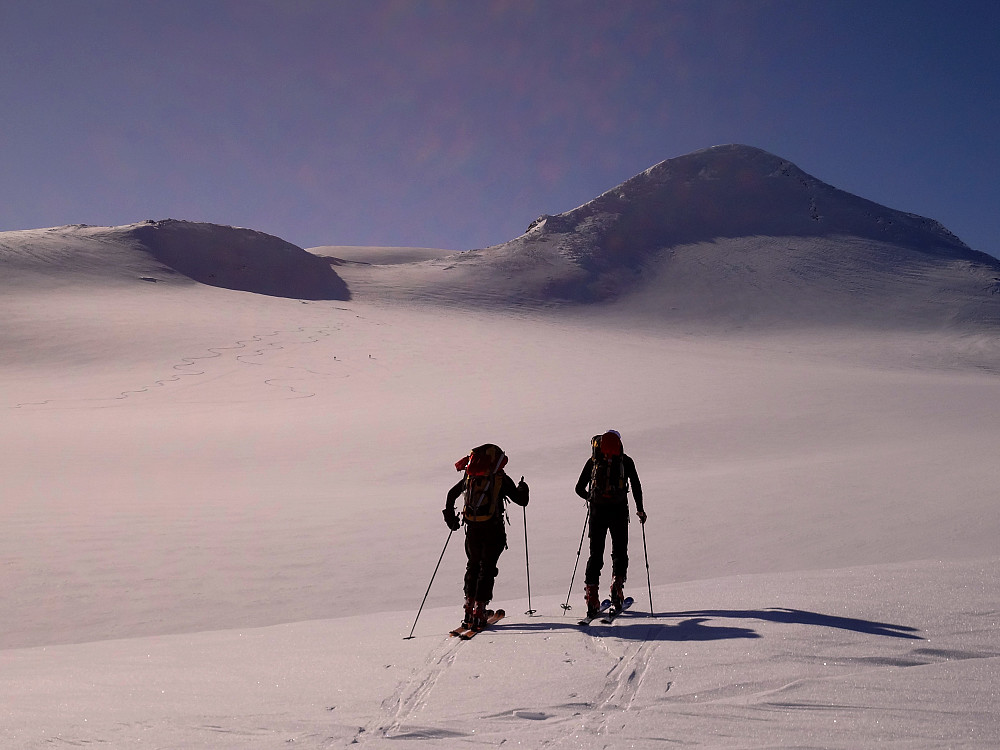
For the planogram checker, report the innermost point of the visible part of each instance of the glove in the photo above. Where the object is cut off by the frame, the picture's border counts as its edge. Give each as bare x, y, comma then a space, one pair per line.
451, 518
522, 488
642, 516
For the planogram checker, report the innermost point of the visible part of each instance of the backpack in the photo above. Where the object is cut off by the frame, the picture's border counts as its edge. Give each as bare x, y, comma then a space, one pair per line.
608, 480
483, 483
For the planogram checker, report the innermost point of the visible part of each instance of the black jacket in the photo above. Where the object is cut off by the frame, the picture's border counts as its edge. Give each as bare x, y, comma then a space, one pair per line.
583, 484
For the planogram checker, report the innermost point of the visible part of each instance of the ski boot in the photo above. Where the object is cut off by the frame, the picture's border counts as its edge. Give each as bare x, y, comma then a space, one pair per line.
592, 599
468, 617
617, 594
479, 615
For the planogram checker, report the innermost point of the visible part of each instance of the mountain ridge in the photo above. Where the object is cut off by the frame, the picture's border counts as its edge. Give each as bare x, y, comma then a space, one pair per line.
729, 236
733, 236
724, 191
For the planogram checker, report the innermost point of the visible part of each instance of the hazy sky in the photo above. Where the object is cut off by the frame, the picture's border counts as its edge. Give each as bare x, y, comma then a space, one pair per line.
454, 124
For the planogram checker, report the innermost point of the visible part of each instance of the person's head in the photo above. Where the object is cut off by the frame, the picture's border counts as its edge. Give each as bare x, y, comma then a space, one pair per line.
611, 443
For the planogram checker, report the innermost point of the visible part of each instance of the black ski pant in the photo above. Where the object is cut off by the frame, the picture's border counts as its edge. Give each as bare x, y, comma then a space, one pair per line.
604, 518
484, 543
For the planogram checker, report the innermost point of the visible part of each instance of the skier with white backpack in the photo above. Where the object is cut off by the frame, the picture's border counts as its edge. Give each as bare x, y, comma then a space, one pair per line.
485, 487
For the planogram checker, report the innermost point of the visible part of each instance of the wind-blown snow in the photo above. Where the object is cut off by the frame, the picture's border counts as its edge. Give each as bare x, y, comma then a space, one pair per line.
221, 509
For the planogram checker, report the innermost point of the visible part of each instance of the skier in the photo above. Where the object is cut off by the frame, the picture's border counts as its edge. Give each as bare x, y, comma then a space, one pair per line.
604, 484
486, 487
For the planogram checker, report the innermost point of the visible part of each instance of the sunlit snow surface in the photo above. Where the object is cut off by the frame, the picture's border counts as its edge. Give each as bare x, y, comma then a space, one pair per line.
221, 505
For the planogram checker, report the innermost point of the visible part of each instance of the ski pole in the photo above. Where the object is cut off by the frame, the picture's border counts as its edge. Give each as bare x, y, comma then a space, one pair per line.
429, 586
648, 584
569, 593
527, 567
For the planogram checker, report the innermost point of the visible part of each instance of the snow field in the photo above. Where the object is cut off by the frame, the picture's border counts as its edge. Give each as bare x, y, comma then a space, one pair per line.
221, 511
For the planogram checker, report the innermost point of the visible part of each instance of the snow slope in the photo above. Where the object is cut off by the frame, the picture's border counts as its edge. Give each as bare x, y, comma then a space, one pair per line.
379, 256
164, 251
221, 509
852, 658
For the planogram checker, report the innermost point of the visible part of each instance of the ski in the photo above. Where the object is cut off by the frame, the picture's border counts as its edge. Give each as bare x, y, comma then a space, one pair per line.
612, 614
463, 628
492, 619
587, 620
457, 632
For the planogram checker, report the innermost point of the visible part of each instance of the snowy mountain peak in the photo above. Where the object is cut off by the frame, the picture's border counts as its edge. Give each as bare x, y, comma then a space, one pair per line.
729, 236
714, 162
735, 191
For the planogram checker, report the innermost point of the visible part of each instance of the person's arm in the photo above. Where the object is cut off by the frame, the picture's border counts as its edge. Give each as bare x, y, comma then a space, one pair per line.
584, 480
633, 478
453, 494
516, 492
450, 517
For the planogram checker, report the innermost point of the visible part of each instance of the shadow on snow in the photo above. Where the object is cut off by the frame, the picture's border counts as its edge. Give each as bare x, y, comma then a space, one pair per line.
804, 617
693, 625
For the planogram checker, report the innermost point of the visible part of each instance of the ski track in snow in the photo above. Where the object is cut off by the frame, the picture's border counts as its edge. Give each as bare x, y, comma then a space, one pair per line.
217, 354
611, 711
564, 723
411, 695
619, 692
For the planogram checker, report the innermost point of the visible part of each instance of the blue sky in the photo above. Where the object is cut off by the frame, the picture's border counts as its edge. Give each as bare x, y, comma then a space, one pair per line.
454, 124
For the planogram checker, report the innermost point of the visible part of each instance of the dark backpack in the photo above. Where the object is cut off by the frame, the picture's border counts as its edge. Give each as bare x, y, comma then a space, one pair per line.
483, 483
608, 480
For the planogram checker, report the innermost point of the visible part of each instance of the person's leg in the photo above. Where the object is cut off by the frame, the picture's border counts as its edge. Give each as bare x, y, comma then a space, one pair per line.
474, 554
494, 543
592, 577
618, 527
598, 537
